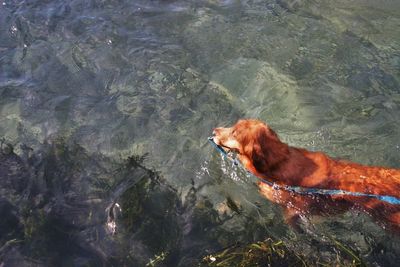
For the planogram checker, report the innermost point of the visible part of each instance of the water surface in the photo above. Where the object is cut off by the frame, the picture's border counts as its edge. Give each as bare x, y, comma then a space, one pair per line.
107, 102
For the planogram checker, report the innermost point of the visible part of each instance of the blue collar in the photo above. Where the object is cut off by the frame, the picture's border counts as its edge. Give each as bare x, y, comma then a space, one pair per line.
305, 190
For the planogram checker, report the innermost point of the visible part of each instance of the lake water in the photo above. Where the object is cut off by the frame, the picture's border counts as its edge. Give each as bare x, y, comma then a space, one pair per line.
106, 106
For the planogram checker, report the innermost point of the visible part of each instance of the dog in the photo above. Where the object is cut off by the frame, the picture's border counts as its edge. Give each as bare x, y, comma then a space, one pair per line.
261, 152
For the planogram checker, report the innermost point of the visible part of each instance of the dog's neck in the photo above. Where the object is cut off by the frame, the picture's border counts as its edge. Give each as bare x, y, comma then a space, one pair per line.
295, 168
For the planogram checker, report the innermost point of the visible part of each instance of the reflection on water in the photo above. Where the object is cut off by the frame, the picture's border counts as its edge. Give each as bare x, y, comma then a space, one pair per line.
86, 85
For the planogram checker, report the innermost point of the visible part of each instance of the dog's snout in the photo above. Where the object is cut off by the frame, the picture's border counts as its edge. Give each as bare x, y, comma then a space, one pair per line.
215, 132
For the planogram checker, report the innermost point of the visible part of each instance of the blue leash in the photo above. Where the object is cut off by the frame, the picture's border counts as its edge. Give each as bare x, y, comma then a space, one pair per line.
305, 190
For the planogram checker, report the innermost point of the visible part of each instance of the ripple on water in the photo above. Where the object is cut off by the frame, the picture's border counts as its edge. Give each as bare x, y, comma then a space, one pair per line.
103, 94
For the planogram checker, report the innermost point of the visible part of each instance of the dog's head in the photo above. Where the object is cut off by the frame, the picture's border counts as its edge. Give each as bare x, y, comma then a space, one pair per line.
255, 142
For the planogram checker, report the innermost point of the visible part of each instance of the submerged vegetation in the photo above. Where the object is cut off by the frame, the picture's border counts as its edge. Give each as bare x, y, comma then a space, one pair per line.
262, 253
54, 206
276, 253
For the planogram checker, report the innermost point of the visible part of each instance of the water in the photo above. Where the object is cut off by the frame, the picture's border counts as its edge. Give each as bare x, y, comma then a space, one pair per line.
107, 102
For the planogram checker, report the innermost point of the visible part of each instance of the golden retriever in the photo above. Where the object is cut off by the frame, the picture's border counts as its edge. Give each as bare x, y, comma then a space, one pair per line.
261, 152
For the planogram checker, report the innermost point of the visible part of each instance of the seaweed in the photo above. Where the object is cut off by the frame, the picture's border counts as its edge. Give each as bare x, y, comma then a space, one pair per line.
262, 253
272, 252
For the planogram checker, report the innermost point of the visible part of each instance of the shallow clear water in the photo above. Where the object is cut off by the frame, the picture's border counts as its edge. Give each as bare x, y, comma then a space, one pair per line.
85, 85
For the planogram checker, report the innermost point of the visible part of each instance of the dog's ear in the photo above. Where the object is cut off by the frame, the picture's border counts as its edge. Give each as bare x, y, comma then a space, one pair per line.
258, 157
268, 151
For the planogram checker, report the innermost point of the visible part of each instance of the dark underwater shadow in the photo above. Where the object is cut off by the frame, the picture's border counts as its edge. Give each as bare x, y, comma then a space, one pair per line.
61, 206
